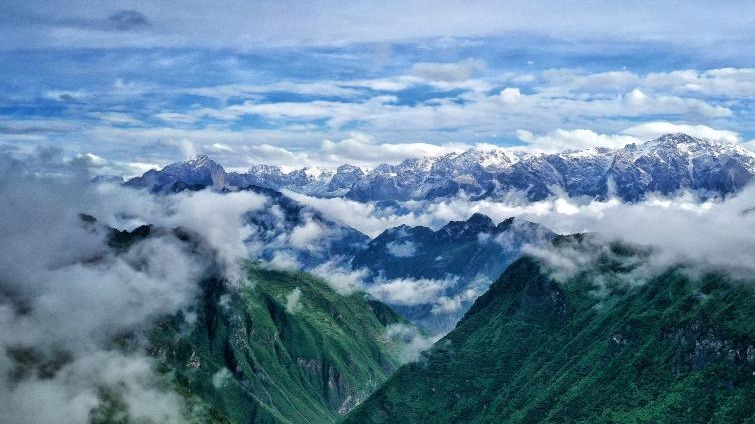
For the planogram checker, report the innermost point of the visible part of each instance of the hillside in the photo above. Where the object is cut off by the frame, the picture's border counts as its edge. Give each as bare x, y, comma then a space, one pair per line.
286, 350
531, 350
283, 348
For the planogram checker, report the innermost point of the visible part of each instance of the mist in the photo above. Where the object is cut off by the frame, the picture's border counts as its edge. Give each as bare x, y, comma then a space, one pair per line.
75, 311
716, 234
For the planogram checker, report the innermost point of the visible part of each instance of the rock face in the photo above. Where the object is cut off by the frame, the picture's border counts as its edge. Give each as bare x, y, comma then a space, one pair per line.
467, 255
534, 350
670, 163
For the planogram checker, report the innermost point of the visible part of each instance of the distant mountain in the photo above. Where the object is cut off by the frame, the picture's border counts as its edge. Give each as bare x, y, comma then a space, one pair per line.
468, 254
198, 171
532, 350
665, 165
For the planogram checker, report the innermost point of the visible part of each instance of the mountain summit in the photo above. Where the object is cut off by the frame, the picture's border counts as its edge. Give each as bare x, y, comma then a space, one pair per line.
197, 171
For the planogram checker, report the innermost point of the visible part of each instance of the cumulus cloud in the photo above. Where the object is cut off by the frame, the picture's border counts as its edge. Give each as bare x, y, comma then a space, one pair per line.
62, 284
400, 291
283, 261
221, 378
453, 304
368, 218
307, 236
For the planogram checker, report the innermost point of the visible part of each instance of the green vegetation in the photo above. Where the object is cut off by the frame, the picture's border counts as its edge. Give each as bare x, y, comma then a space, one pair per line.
259, 355
673, 349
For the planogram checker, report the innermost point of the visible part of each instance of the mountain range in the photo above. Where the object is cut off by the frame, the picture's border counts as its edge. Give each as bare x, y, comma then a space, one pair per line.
665, 165
606, 342
457, 262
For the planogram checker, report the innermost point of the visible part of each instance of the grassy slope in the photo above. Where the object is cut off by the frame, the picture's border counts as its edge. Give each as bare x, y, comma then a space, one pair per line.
532, 351
301, 367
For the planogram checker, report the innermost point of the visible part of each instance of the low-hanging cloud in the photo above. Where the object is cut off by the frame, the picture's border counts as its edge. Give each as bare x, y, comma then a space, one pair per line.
66, 297
410, 341
407, 291
712, 233
219, 218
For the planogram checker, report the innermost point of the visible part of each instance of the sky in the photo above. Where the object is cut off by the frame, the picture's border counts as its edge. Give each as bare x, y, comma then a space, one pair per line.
131, 85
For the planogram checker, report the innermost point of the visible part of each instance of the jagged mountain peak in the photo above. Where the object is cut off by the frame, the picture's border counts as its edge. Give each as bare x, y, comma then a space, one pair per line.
675, 138
197, 161
686, 143
200, 160
476, 224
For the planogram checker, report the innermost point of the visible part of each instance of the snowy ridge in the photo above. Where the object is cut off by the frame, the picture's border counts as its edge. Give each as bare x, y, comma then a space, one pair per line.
665, 165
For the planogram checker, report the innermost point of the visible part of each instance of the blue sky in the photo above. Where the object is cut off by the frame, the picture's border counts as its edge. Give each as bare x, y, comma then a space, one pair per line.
134, 84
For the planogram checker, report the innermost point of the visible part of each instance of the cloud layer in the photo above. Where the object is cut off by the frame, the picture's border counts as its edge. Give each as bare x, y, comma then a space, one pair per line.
236, 24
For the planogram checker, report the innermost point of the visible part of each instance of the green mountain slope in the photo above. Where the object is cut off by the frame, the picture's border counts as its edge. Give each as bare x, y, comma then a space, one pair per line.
260, 355
530, 350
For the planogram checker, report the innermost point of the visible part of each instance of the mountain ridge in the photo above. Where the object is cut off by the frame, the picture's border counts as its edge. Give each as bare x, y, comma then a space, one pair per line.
665, 165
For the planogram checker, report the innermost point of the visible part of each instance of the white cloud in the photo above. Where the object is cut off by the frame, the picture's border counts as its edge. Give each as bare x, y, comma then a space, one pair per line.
510, 96
343, 281
221, 378
710, 233
219, 219
651, 130
452, 304
560, 140
406, 291
410, 340
284, 261
230, 24
117, 118
403, 249
308, 236
361, 149
70, 285
293, 301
